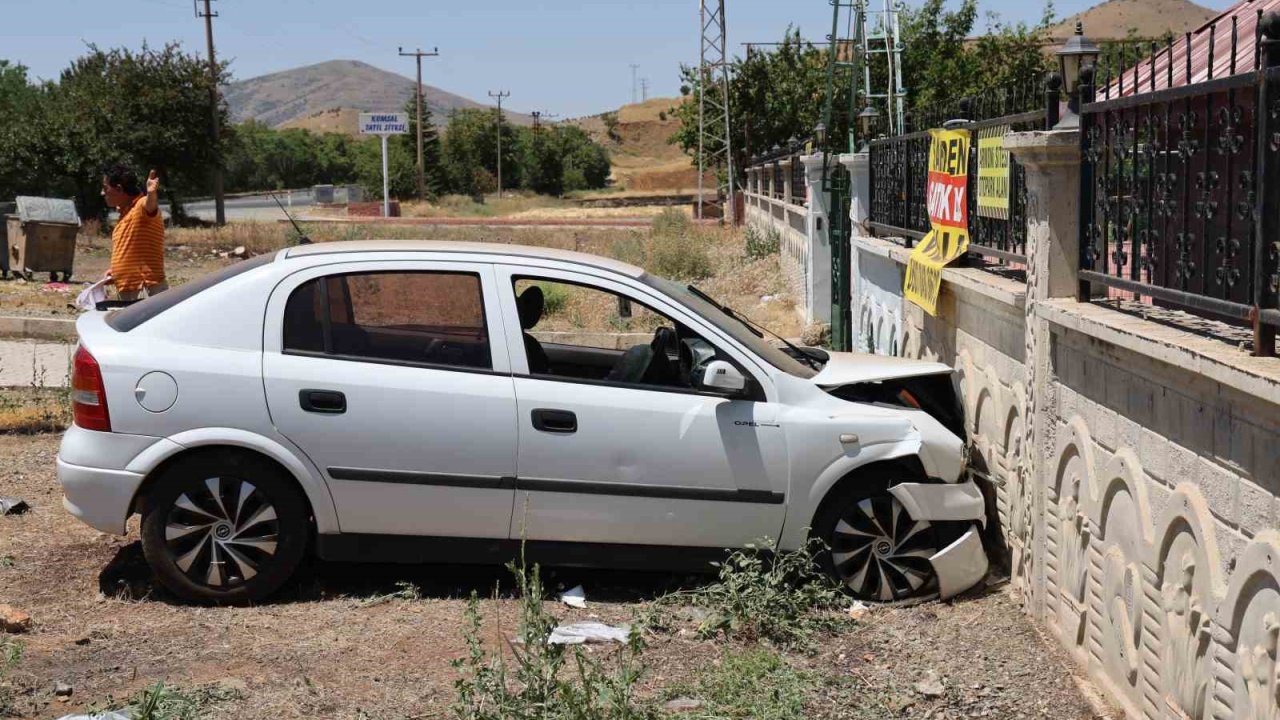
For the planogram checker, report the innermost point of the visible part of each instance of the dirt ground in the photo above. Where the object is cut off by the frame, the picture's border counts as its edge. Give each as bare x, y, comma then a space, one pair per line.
334, 645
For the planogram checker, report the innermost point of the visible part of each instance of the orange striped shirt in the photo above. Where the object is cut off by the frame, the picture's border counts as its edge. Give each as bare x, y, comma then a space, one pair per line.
137, 248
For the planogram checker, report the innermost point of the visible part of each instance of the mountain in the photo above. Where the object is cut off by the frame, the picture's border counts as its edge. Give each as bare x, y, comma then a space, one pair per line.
643, 159
330, 95
1116, 19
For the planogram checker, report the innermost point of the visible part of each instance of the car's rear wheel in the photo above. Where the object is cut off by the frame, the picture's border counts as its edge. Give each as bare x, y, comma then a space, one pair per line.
224, 528
876, 549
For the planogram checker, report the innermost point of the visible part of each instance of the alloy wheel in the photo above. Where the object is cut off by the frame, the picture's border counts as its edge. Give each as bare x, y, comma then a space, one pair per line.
880, 552
221, 532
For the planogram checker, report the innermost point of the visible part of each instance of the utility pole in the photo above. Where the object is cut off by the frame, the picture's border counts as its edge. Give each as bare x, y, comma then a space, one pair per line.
499, 95
715, 149
422, 173
537, 119
644, 89
219, 200
634, 68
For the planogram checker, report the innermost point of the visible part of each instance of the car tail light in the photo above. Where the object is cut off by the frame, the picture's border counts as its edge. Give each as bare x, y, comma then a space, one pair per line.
88, 396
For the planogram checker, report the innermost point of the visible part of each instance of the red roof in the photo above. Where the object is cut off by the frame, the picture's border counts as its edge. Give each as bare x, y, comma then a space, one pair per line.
1240, 22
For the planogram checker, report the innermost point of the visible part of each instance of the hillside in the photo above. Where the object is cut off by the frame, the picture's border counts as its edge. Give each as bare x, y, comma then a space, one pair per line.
642, 158
1114, 19
330, 95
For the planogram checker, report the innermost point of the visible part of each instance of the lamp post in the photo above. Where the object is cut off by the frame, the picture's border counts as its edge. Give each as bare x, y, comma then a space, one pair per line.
1077, 53
867, 120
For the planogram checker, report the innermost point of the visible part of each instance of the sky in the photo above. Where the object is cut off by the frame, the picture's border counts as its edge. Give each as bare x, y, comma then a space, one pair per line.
563, 57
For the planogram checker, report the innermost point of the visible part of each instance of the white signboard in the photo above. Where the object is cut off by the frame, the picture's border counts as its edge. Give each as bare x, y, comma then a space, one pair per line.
384, 123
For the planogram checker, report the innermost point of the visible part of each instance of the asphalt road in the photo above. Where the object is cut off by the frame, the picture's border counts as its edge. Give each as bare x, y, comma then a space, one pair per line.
254, 207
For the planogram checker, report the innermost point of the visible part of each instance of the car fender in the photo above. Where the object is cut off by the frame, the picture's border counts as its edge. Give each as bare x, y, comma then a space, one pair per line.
803, 505
303, 471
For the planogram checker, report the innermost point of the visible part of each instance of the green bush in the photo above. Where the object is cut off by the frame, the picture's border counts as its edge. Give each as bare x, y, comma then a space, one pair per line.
761, 244
531, 686
676, 249
555, 296
784, 598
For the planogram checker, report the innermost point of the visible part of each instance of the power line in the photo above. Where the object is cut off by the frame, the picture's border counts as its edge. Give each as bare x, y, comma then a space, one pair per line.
418, 55
499, 95
644, 89
219, 200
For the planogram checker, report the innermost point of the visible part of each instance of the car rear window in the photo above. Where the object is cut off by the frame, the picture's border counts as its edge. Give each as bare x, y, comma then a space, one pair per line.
140, 312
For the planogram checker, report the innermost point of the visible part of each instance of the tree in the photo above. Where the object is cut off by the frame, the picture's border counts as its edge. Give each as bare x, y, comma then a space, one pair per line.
585, 163
23, 165
433, 171
148, 108
541, 160
778, 95
470, 151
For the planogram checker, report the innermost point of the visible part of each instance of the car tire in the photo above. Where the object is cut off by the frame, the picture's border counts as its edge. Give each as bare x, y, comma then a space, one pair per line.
224, 528
873, 546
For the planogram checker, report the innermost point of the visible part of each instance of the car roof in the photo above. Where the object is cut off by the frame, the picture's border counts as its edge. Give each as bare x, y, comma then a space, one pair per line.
469, 248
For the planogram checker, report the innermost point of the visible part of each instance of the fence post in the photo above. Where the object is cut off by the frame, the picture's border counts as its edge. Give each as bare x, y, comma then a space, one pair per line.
1052, 100
818, 283
1267, 216
1084, 290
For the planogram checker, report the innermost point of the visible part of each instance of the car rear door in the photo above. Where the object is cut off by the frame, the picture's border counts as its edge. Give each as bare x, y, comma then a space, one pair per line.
605, 461
393, 378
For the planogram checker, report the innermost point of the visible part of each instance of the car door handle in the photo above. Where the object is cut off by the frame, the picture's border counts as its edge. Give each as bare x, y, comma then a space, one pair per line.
555, 421
325, 402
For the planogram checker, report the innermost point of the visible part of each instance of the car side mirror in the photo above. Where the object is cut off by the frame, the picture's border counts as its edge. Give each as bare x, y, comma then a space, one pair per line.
722, 377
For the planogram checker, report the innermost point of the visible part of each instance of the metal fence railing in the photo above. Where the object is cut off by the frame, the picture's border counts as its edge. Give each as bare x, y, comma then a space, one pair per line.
900, 168
1179, 184
768, 173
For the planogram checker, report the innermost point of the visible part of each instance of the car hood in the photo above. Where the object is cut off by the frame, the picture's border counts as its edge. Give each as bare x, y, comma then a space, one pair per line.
849, 368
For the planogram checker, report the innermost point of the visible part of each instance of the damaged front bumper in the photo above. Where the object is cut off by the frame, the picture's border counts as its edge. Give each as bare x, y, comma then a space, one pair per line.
963, 563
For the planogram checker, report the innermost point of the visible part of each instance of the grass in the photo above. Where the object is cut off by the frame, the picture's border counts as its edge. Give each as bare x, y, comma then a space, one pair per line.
511, 203
677, 249
783, 598
10, 657
755, 683
171, 702
544, 681
28, 411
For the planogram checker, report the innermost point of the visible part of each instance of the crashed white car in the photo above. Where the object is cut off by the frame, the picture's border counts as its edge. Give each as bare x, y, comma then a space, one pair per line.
437, 402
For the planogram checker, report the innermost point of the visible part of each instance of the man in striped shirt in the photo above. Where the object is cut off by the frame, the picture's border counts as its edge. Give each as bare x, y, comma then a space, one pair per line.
137, 242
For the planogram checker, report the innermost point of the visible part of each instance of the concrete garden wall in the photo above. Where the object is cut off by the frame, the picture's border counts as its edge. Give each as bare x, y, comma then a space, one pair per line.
1136, 466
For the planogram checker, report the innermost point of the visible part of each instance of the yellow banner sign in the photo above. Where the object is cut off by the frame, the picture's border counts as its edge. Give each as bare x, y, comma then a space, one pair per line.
948, 201
993, 173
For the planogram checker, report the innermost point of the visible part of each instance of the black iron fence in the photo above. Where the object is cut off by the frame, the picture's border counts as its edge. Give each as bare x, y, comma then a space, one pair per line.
777, 166
1179, 181
900, 167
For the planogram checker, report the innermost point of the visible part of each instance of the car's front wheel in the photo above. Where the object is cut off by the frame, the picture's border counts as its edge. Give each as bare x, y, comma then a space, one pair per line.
224, 528
876, 548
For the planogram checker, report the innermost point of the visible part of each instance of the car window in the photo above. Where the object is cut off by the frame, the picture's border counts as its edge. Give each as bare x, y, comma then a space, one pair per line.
131, 317
581, 332
427, 318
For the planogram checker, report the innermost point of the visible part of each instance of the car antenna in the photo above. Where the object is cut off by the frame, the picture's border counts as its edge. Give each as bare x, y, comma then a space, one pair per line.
302, 237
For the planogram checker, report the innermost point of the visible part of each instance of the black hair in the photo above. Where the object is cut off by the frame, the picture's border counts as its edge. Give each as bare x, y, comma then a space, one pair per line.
121, 176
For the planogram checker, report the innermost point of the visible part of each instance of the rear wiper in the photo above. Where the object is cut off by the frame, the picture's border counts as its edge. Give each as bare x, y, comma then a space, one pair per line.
756, 329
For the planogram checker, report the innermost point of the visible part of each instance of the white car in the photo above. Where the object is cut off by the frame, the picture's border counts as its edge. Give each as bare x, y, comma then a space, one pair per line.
434, 402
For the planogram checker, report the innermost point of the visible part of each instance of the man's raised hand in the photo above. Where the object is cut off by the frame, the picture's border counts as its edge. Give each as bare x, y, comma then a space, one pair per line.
153, 183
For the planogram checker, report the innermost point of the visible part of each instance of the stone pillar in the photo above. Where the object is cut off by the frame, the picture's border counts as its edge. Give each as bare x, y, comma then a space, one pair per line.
859, 166
772, 178
1052, 162
819, 269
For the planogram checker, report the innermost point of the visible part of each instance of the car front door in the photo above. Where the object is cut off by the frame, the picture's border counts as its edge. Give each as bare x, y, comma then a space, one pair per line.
609, 458
393, 378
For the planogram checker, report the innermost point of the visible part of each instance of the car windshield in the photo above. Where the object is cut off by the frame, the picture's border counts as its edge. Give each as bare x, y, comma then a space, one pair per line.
732, 326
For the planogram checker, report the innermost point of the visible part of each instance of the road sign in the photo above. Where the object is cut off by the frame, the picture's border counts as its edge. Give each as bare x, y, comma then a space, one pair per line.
384, 125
